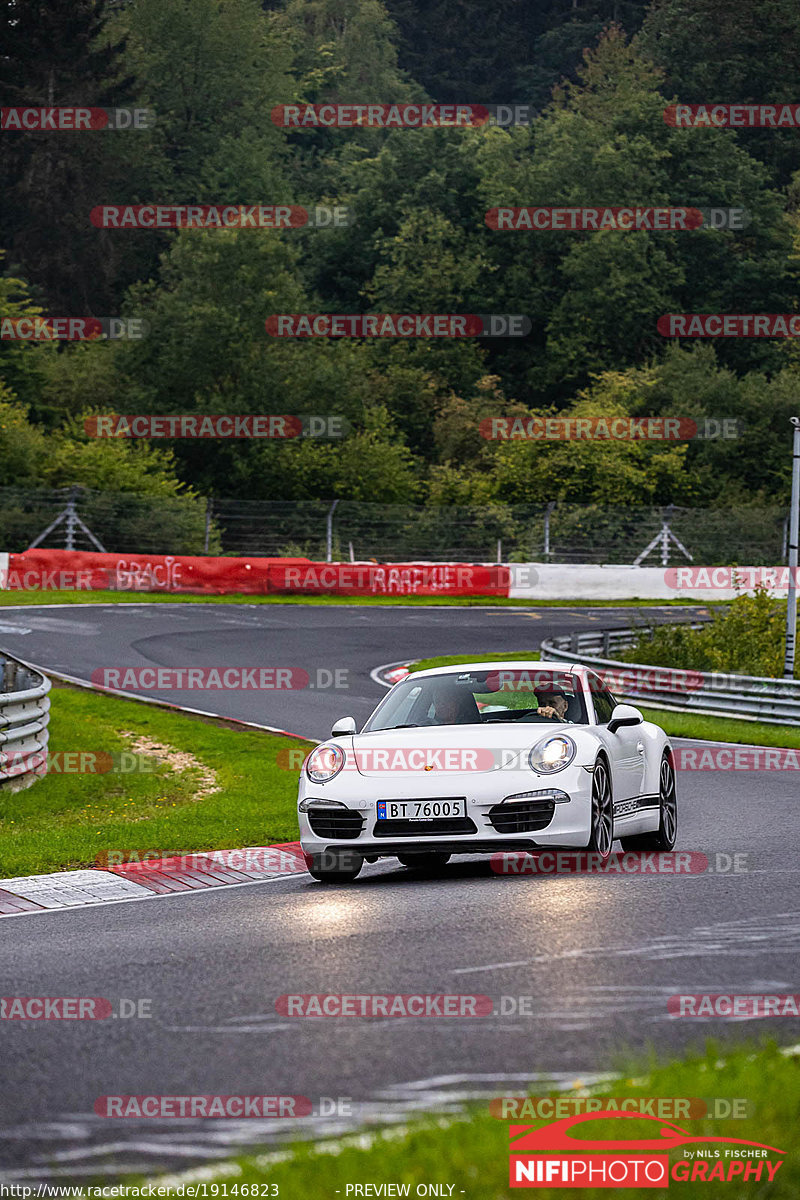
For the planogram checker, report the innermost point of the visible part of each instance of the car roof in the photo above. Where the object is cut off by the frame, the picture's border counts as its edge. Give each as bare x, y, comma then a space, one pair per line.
517, 664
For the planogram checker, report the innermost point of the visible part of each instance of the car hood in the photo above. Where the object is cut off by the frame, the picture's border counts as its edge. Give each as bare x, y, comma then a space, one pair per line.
448, 749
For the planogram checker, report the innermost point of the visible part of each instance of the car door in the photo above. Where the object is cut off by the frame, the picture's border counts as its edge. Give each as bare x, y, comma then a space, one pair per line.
626, 748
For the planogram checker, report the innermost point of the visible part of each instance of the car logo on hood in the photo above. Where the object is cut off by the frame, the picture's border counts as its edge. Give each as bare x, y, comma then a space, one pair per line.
429, 766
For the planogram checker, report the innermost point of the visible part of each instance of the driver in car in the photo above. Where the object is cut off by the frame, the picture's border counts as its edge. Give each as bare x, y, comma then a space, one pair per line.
553, 705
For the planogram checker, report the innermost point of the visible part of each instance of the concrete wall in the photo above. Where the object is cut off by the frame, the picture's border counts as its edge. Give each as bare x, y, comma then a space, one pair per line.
559, 581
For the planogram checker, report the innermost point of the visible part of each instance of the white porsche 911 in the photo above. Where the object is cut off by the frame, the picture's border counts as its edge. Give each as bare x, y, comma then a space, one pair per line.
485, 757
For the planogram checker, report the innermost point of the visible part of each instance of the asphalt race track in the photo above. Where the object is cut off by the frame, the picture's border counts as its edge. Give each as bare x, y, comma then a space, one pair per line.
598, 955
80, 640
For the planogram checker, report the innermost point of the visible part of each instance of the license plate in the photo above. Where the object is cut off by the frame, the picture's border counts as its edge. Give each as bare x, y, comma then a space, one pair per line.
421, 810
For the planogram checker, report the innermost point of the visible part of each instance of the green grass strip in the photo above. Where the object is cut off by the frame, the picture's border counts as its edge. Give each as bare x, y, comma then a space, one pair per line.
471, 1152
66, 819
15, 597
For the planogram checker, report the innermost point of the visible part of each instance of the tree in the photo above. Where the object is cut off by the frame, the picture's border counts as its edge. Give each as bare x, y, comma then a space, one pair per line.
713, 52
213, 70
605, 472
372, 466
57, 52
595, 297
135, 501
513, 52
21, 361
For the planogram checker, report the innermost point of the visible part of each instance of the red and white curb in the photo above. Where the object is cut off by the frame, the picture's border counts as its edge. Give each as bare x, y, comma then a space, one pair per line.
390, 673
180, 874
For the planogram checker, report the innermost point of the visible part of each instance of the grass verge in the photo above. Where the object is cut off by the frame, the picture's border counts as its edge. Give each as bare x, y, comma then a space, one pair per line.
675, 724
471, 1152
211, 785
11, 598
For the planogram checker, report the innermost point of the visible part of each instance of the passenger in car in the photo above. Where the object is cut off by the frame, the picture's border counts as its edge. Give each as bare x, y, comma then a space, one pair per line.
454, 708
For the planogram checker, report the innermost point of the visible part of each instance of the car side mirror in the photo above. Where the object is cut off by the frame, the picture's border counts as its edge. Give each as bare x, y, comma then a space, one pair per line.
624, 714
343, 727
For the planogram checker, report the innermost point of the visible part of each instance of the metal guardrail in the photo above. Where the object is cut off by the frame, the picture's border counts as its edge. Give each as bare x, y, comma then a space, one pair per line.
712, 693
24, 716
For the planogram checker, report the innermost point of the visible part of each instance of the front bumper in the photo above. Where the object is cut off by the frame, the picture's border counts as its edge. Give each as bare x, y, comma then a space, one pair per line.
530, 823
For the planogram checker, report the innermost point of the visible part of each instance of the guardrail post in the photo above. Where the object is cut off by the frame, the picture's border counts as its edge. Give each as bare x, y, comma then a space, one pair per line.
10, 669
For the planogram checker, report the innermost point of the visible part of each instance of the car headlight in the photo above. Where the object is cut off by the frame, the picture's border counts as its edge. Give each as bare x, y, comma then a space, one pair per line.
324, 762
552, 754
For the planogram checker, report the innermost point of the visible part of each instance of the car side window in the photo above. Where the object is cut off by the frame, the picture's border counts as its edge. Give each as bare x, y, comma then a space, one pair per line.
604, 703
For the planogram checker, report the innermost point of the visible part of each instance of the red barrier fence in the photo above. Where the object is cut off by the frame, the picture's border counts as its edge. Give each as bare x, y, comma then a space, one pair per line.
46, 570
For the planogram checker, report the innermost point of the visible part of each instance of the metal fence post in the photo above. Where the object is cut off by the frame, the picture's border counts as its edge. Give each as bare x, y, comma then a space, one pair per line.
209, 507
794, 535
329, 532
70, 518
547, 512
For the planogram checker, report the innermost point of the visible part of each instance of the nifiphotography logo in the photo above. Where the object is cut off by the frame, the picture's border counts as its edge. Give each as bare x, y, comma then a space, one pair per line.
551, 1157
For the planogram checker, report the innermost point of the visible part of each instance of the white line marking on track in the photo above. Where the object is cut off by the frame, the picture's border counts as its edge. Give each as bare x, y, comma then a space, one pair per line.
524, 962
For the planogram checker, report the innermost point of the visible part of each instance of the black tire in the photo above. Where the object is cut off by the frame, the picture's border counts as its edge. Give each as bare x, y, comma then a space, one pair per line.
602, 834
426, 863
664, 837
334, 867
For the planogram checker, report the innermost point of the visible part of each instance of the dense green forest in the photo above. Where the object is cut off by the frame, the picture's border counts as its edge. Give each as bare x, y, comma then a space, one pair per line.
598, 75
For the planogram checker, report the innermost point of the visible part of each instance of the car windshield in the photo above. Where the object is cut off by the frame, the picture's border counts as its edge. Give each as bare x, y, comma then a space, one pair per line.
481, 698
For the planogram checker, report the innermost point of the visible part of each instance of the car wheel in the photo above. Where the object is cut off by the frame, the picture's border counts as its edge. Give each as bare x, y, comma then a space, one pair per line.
333, 866
425, 862
602, 834
665, 835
